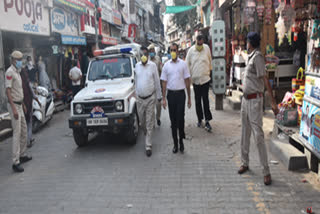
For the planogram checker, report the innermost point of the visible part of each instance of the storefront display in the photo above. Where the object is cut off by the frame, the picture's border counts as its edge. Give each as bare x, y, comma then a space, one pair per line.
310, 125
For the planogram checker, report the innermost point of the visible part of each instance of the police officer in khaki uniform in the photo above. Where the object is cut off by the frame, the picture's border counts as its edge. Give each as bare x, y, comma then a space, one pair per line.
255, 80
14, 91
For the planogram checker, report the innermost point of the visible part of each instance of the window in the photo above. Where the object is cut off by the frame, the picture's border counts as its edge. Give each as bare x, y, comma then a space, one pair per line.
110, 68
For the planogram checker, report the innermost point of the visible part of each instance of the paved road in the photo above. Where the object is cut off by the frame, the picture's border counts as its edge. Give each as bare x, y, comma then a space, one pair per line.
111, 177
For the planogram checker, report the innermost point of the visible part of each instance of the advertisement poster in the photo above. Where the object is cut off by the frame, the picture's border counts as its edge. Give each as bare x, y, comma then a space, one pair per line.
312, 87
24, 16
310, 126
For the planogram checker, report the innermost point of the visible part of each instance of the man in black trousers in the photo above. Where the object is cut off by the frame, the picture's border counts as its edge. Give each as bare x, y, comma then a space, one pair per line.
199, 63
176, 78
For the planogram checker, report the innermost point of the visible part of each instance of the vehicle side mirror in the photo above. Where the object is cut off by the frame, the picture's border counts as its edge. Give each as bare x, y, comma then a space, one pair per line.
132, 80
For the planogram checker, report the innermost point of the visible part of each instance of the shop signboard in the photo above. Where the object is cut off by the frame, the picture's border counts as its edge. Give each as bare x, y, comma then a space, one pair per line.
73, 40
76, 5
107, 40
109, 14
88, 22
64, 22
24, 16
310, 126
116, 17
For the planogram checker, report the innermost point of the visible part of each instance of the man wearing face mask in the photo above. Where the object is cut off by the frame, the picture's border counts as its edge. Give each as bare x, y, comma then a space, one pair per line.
157, 61
255, 79
14, 92
176, 78
199, 63
31, 70
147, 90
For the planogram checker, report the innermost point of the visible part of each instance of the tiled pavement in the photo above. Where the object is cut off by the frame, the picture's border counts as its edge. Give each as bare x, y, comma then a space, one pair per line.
111, 177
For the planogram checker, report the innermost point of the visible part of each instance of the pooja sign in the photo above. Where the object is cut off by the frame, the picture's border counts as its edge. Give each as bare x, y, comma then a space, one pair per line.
24, 16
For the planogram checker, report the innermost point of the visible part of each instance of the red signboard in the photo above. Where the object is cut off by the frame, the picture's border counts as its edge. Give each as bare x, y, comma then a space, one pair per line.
109, 40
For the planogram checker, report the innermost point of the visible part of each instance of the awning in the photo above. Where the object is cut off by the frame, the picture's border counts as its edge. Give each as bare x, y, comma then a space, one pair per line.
73, 40
179, 9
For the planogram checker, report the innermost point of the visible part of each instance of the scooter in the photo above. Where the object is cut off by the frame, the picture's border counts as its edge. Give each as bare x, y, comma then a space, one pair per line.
42, 114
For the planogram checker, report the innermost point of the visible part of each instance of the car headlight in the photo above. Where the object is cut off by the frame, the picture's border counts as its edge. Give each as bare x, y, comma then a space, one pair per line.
119, 106
78, 108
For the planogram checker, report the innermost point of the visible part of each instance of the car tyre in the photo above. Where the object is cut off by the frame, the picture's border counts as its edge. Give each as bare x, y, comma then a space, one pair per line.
80, 137
134, 130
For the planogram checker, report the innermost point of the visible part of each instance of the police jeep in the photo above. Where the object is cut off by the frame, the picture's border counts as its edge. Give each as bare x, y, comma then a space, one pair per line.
108, 102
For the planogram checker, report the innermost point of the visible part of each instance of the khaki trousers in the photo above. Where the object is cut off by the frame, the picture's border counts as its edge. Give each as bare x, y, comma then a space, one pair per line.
146, 114
251, 118
19, 139
158, 109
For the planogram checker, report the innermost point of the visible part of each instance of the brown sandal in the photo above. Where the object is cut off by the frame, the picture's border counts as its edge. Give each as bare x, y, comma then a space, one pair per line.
267, 180
243, 169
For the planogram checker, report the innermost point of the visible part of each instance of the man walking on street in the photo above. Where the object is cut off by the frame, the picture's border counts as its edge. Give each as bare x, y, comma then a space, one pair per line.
176, 78
75, 75
156, 59
199, 63
147, 90
255, 80
14, 91
28, 97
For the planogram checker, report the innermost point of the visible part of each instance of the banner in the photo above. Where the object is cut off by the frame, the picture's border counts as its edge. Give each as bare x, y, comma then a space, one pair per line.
180, 9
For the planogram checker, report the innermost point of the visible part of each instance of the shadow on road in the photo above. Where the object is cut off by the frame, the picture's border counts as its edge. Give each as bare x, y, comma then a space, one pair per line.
106, 143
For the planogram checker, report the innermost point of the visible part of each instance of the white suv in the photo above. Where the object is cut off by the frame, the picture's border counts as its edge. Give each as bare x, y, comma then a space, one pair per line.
108, 102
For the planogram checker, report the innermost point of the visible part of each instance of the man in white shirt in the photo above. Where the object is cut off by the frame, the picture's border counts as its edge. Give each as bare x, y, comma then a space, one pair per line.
147, 90
176, 78
75, 75
156, 59
199, 63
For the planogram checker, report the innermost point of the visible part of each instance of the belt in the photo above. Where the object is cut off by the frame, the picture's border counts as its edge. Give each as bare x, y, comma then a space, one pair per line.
18, 103
252, 96
144, 98
176, 91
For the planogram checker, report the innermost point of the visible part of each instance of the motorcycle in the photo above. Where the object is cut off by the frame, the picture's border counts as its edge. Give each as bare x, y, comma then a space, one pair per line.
42, 114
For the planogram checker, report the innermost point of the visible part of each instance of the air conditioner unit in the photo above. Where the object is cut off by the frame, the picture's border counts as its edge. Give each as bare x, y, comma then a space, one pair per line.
47, 3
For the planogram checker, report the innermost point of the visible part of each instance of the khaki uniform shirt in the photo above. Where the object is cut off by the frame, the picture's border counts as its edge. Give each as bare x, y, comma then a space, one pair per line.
13, 81
199, 64
253, 81
157, 61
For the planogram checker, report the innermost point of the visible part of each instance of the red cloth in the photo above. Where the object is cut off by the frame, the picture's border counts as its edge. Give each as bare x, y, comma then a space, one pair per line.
212, 5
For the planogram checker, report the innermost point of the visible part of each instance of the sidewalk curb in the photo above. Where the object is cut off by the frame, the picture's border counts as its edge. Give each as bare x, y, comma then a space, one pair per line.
291, 157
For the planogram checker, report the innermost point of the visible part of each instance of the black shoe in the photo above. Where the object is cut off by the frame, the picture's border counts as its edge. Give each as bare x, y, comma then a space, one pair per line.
159, 122
175, 149
148, 152
199, 124
181, 146
17, 168
208, 126
30, 144
25, 159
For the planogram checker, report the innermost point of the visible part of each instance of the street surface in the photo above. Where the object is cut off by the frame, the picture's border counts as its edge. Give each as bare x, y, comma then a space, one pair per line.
111, 177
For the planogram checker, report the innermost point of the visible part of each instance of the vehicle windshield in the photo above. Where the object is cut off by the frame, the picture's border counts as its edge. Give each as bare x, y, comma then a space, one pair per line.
110, 68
